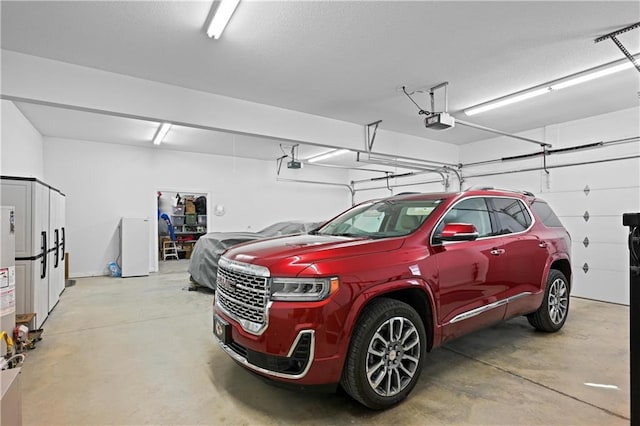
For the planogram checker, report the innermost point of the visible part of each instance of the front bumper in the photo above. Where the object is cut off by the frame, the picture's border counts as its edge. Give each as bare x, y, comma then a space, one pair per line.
298, 351
293, 366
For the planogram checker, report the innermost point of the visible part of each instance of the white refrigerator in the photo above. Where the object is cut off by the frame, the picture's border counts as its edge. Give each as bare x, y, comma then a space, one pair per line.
134, 246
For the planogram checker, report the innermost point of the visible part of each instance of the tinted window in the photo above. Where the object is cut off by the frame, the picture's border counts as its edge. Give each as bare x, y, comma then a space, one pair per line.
512, 215
546, 215
471, 210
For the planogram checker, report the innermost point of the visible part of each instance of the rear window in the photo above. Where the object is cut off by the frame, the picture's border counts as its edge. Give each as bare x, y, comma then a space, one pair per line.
546, 215
512, 215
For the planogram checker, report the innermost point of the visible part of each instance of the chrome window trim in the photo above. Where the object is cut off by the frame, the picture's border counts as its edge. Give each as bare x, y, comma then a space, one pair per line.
533, 220
482, 309
242, 360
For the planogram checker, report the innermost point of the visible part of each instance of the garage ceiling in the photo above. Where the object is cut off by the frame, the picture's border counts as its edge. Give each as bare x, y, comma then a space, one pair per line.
343, 60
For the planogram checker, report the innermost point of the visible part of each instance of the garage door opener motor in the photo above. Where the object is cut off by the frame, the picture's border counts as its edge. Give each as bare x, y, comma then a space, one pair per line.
434, 120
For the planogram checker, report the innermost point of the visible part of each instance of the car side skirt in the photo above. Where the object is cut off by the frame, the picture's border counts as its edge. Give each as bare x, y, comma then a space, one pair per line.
482, 309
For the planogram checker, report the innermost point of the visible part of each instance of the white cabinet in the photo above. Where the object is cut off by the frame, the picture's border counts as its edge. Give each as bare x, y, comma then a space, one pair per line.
55, 262
36, 227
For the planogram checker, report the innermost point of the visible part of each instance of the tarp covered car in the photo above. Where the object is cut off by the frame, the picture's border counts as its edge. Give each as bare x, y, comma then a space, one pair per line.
208, 249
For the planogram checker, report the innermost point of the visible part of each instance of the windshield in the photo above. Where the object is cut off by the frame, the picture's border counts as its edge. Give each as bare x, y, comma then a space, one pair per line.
380, 219
284, 228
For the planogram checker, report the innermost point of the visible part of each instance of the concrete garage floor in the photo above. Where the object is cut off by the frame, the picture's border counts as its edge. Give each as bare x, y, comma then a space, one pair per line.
141, 351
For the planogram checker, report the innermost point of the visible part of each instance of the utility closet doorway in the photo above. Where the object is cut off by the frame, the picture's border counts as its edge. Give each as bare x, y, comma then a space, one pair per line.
181, 218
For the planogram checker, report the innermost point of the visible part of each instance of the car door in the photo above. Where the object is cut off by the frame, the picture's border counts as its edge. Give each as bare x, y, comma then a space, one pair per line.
471, 274
525, 253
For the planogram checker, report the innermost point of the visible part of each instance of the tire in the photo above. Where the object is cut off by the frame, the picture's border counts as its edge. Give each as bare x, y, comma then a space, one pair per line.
386, 354
552, 314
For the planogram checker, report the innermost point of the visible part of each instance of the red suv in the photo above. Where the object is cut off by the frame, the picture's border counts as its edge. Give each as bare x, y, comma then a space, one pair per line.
361, 300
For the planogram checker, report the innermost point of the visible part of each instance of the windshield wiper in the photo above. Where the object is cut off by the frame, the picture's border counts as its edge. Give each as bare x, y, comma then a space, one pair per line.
349, 234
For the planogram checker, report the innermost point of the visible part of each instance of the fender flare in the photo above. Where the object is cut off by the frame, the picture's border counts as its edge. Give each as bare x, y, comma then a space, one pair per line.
547, 268
381, 290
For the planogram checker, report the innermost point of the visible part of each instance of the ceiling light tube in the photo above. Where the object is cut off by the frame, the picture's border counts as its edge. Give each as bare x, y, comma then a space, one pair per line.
221, 17
590, 76
327, 155
161, 133
562, 83
508, 100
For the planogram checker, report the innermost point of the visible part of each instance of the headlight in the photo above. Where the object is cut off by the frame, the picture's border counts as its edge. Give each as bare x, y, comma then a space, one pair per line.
303, 289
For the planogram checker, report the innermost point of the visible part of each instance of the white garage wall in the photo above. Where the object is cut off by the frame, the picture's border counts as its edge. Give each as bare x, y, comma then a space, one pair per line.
21, 149
614, 189
104, 182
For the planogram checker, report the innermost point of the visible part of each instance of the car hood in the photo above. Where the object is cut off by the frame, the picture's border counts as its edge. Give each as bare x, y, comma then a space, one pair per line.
226, 239
297, 252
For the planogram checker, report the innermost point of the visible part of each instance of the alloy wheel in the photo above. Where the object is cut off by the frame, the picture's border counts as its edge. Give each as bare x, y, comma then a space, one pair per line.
393, 356
558, 300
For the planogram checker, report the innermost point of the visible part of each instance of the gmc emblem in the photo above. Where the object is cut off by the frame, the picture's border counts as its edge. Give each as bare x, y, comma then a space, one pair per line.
226, 284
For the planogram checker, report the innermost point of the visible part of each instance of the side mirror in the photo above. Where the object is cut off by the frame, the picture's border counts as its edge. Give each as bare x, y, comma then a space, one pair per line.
459, 232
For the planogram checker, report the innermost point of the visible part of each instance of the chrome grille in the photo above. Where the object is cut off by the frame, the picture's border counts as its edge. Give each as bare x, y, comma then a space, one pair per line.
243, 296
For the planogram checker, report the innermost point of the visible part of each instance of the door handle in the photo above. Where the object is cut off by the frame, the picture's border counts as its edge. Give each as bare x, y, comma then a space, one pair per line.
63, 243
497, 251
543, 244
45, 254
57, 243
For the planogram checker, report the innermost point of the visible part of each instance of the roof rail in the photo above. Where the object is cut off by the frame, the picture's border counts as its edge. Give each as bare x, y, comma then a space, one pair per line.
407, 193
491, 188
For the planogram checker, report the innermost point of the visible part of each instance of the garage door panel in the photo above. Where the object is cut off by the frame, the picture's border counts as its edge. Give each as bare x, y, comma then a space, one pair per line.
605, 285
599, 202
599, 175
613, 257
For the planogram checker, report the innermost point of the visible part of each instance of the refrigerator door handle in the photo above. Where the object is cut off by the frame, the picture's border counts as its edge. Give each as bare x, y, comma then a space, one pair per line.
63, 243
57, 240
43, 262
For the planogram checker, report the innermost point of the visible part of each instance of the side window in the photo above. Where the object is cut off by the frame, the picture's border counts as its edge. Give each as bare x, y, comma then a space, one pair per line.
546, 215
471, 210
512, 215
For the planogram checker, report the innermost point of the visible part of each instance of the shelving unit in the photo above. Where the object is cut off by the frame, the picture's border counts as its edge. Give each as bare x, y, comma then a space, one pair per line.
188, 228
183, 225
187, 224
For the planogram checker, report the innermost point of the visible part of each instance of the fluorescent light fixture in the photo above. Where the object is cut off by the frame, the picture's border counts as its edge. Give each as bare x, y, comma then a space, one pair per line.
221, 17
562, 83
161, 133
511, 99
327, 155
591, 76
